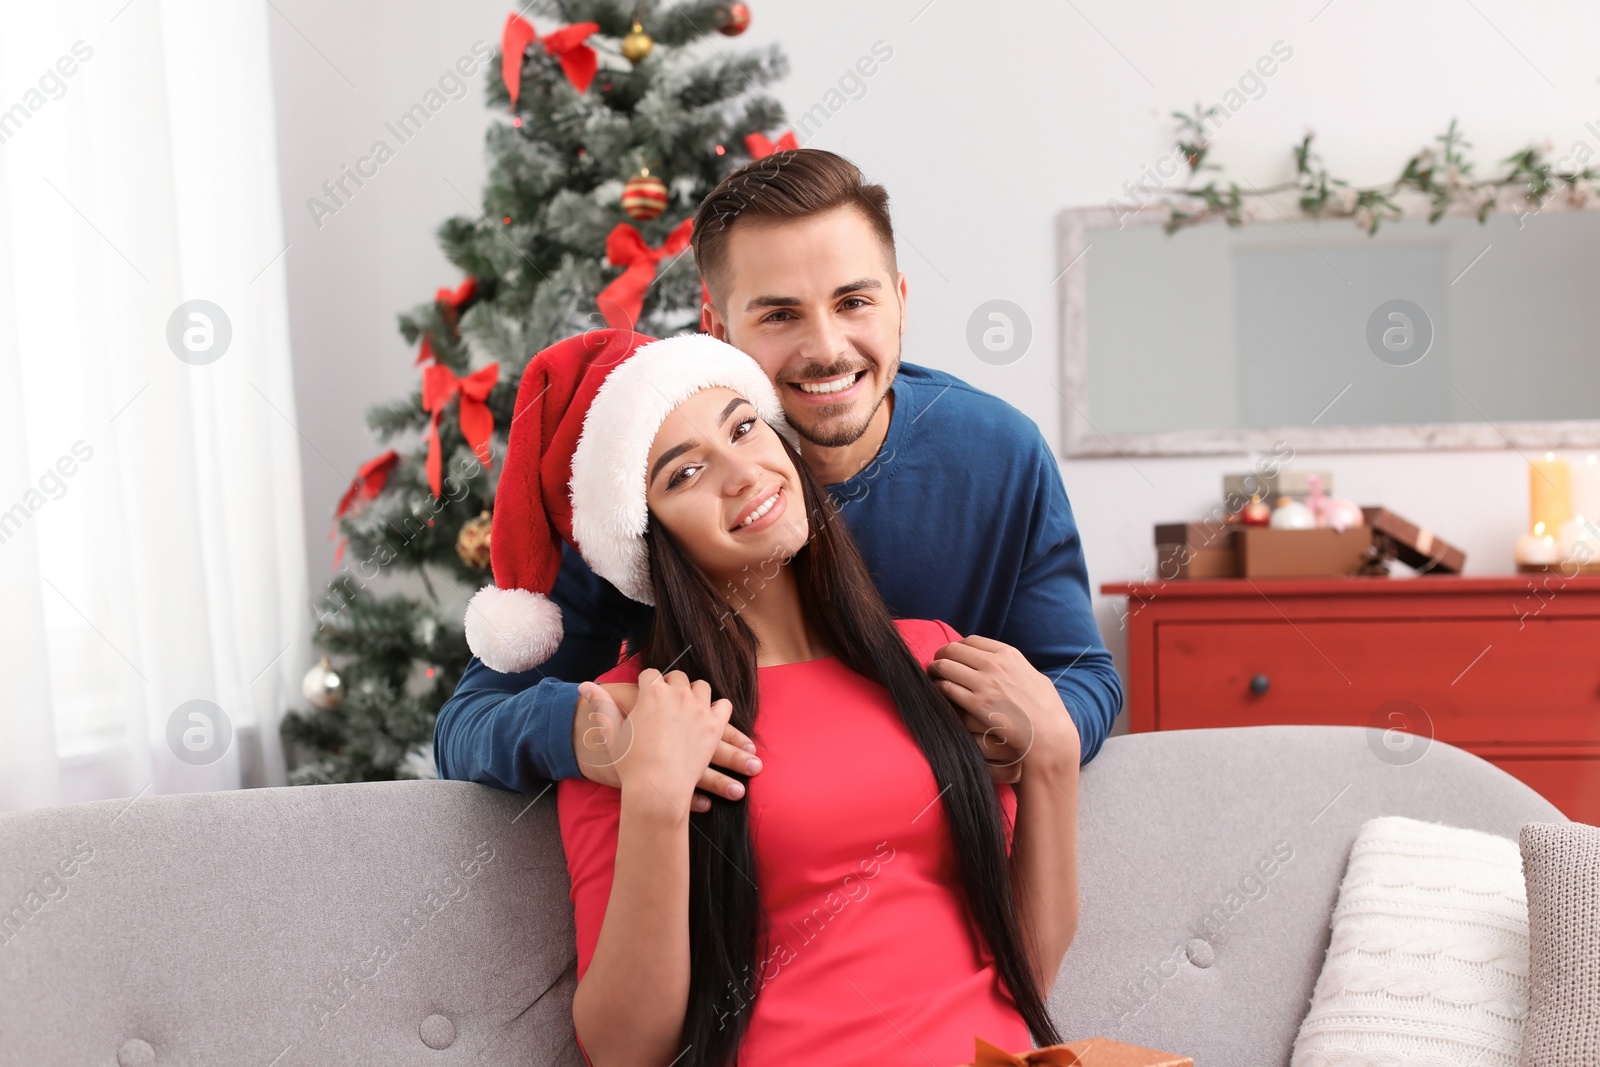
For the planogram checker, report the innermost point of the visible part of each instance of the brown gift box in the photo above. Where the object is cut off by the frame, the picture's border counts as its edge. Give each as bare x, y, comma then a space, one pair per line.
1414, 545
1185, 561
1089, 1052
1196, 550
1233, 550
1320, 553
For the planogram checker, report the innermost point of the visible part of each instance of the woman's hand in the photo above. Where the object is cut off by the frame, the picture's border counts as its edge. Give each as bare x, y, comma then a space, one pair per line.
1014, 713
667, 742
601, 708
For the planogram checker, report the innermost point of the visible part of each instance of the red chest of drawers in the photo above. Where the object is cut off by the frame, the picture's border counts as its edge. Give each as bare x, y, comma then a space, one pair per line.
1507, 668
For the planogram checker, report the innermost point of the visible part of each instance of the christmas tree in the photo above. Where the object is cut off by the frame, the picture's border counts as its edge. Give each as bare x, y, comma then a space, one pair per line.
615, 121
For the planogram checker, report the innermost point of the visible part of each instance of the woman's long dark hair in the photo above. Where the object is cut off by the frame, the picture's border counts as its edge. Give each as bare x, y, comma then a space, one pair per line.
695, 631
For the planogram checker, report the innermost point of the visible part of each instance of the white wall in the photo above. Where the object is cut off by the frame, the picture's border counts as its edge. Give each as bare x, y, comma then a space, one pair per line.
342, 71
987, 120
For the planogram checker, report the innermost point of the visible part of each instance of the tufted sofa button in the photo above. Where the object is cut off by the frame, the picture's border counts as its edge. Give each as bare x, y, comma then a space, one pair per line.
1200, 952
438, 1032
136, 1053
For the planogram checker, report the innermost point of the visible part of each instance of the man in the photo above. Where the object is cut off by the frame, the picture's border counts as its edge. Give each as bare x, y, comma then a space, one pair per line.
953, 495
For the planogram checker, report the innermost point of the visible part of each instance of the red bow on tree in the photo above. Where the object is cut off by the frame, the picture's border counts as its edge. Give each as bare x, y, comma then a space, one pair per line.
454, 298
451, 300
367, 484
622, 301
439, 385
578, 61
514, 41
761, 148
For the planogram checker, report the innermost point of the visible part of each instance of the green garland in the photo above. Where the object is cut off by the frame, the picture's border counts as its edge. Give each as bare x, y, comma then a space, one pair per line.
1444, 175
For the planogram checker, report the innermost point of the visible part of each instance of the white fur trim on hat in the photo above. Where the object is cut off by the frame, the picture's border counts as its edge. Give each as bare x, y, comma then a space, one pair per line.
608, 466
512, 630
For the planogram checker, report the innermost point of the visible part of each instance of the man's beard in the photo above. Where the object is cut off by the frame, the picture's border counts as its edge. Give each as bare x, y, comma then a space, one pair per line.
831, 433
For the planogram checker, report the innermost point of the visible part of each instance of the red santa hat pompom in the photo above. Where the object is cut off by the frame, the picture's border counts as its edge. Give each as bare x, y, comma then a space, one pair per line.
588, 409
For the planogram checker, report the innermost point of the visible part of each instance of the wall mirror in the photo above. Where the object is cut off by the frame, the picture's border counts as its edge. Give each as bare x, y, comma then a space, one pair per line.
1218, 339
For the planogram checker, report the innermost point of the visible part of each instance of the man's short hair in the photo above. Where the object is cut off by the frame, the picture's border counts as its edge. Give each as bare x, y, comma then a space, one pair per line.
794, 184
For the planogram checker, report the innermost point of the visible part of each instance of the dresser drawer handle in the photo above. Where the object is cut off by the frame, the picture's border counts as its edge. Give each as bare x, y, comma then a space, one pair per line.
1260, 684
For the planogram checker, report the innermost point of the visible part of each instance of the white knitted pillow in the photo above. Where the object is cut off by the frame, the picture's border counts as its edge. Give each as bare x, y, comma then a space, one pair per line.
1562, 865
1428, 965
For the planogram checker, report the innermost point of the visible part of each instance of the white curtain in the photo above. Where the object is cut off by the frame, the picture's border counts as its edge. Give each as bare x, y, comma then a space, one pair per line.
153, 605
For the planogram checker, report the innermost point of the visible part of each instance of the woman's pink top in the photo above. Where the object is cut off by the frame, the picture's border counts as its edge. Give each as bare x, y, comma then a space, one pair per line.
873, 959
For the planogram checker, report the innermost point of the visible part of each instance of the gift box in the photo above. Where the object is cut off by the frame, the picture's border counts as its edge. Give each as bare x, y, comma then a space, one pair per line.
1089, 1052
1185, 561
1319, 553
1196, 550
1233, 550
1413, 545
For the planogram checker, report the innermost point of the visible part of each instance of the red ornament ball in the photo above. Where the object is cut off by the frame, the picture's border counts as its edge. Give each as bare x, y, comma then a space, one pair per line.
644, 196
734, 19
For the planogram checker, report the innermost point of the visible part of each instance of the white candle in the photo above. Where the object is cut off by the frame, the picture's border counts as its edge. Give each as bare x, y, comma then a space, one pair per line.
1579, 542
1538, 547
1585, 490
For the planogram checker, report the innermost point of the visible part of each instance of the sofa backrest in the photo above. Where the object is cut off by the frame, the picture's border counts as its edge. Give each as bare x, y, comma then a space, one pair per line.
315, 926
428, 922
1210, 863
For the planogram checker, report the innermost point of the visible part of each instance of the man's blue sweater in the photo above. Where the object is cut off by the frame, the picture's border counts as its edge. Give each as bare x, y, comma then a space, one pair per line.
961, 517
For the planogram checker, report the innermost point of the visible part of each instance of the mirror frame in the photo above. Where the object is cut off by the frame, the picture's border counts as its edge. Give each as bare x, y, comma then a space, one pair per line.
1081, 438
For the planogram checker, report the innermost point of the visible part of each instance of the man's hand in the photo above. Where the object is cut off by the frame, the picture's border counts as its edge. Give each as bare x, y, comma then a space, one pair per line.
1013, 712
597, 720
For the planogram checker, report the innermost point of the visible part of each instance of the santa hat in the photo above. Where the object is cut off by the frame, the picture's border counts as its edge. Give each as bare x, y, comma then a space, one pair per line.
587, 412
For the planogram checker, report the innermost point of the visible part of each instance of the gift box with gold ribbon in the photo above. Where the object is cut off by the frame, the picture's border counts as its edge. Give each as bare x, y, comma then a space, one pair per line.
1089, 1052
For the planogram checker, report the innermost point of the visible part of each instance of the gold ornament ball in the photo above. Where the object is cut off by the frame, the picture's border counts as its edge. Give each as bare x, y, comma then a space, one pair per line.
644, 196
733, 19
637, 44
322, 687
472, 543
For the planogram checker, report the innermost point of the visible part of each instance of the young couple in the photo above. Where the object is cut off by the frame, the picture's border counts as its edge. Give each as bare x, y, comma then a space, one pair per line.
806, 820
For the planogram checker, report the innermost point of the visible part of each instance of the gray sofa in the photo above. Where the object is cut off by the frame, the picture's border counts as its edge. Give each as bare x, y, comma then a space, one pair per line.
427, 923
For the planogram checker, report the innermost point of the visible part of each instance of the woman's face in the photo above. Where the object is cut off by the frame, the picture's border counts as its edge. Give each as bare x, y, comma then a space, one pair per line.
718, 479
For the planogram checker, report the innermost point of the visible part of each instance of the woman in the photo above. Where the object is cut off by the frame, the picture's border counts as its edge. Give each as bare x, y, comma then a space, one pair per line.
859, 904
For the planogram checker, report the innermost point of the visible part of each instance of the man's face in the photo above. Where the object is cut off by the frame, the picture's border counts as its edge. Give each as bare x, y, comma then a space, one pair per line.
816, 302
